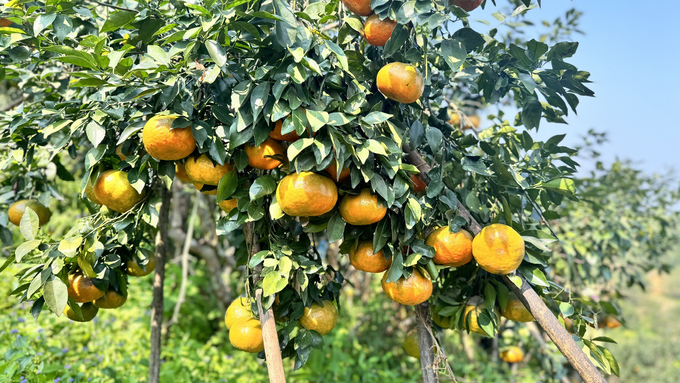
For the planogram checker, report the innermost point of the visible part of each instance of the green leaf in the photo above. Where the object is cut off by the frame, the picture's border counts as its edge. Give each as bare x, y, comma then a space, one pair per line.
298, 146
396, 268
317, 120
43, 21
29, 224
286, 27
376, 118
489, 295
604, 339
434, 138
55, 294
227, 186
613, 363
26, 248
396, 41
412, 213
561, 185
258, 98
257, 258
531, 113
335, 228
262, 186
566, 309
118, 20
217, 53
69, 246
454, 53
270, 284
339, 53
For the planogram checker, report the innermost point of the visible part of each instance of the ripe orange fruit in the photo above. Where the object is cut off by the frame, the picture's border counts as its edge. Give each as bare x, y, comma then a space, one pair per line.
181, 173
451, 249
17, 209
246, 335
362, 209
81, 288
376, 31
203, 170
332, 170
412, 291
319, 318
443, 322
512, 354
411, 344
475, 307
498, 249
5, 22
610, 322
228, 204
259, 156
419, 185
89, 192
237, 311
474, 121
135, 270
359, 7
276, 133
114, 191
467, 5
306, 194
515, 311
364, 259
110, 300
88, 310
400, 82
167, 144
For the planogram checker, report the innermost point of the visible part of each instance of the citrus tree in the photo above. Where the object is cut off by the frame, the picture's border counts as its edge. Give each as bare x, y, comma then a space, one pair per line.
307, 123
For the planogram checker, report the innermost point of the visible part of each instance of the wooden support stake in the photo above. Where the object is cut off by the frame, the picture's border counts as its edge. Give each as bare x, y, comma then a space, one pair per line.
158, 281
544, 317
272, 349
425, 343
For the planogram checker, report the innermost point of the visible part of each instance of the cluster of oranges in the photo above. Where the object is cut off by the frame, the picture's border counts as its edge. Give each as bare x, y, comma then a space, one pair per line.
83, 290
245, 331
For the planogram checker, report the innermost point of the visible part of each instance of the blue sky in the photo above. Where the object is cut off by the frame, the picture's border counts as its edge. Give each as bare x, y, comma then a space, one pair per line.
632, 50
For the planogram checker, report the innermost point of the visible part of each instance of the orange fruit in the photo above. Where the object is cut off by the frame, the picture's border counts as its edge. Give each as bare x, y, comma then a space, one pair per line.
167, 144
411, 344
319, 318
81, 288
89, 192
359, 7
114, 191
376, 31
455, 121
199, 187
467, 5
512, 354
332, 170
306, 194
475, 307
203, 170
135, 270
362, 209
419, 185
5, 22
259, 156
400, 82
450, 249
498, 249
110, 300
410, 291
515, 311
364, 259
246, 335
228, 204
276, 133
610, 322
181, 173
443, 322
88, 310
237, 311
17, 209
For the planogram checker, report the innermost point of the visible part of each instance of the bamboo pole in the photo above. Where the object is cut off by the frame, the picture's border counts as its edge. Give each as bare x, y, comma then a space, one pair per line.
272, 350
544, 317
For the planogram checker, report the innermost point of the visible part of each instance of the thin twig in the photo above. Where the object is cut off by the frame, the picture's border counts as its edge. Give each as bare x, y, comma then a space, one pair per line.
111, 6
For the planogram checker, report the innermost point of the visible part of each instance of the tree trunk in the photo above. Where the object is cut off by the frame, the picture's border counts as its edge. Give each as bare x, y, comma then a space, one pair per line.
272, 350
426, 343
158, 279
544, 317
